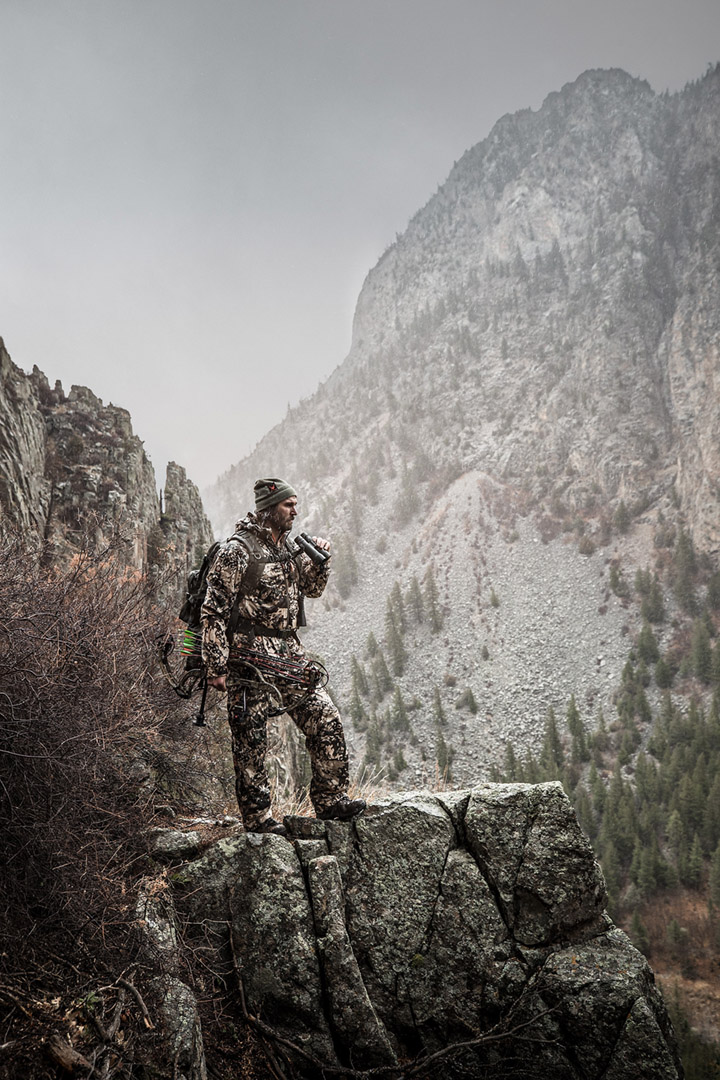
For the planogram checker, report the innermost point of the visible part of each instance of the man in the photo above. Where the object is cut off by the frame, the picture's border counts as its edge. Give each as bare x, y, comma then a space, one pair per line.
257, 584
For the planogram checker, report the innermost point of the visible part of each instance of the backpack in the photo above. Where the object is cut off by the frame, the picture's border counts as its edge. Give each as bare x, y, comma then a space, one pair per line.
197, 587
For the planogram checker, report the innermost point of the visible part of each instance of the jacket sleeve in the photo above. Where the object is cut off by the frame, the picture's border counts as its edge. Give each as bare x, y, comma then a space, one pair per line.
223, 584
313, 576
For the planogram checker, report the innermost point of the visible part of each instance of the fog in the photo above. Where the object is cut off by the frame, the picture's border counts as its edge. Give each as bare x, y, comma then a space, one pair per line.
194, 190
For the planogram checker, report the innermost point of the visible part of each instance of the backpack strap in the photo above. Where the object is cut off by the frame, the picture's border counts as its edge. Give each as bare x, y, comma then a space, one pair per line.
259, 559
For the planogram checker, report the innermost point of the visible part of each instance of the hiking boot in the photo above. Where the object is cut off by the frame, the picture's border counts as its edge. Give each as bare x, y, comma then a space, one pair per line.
269, 825
343, 809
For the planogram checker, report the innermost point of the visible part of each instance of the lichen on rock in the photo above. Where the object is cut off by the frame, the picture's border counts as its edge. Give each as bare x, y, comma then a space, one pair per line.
466, 928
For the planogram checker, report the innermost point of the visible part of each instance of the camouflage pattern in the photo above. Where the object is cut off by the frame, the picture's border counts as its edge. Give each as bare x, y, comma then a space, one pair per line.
273, 603
320, 723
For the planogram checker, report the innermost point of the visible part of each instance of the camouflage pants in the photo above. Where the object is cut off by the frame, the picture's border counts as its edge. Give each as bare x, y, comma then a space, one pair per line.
318, 720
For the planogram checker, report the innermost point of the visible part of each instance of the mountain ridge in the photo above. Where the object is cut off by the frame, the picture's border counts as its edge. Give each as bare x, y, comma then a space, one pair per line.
74, 476
548, 319
623, 270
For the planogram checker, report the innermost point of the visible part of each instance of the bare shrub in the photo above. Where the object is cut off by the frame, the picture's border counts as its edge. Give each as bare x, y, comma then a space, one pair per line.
79, 730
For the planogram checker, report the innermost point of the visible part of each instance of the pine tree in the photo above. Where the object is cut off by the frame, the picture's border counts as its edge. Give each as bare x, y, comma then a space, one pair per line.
552, 757
714, 897
713, 591
400, 718
373, 744
708, 620
443, 756
622, 517
408, 500
584, 811
597, 790
431, 602
701, 652
647, 646
676, 935
643, 675
414, 601
634, 872
626, 749
638, 934
652, 608
684, 568
690, 802
359, 677
643, 581
676, 836
647, 881
695, 863
711, 815
372, 645
601, 738
510, 764
572, 717
611, 871
399, 760
346, 568
531, 773
577, 730
397, 606
663, 675
619, 818
382, 675
357, 712
467, 701
618, 584
646, 780
714, 718
394, 642
438, 711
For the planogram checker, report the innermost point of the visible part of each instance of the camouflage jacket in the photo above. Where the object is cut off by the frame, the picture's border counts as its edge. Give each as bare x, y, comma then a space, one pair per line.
273, 602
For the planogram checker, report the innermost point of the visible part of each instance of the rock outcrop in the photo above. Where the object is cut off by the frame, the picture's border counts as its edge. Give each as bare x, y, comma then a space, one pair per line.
184, 522
24, 488
464, 929
73, 473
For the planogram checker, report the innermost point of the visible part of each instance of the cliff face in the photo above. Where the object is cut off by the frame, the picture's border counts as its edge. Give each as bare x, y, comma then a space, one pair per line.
24, 490
567, 271
465, 925
184, 521
552, 309
535, 354
73, 472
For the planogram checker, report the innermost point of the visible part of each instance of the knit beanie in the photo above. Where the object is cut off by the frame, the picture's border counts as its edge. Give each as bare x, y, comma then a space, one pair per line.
271, 491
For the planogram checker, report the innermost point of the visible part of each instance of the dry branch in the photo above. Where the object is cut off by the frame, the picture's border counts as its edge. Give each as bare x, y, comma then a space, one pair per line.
64, 1055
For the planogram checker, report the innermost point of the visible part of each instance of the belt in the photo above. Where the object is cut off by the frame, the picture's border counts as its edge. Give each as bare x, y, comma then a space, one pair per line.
245, 626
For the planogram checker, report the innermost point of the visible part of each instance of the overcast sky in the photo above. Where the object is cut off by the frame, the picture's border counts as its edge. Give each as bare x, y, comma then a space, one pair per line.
194, 190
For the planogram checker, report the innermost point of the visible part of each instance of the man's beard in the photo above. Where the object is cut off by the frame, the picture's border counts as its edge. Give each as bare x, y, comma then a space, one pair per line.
275, 519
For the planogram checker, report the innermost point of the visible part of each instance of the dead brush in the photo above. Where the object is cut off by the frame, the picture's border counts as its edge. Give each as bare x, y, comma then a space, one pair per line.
84, 725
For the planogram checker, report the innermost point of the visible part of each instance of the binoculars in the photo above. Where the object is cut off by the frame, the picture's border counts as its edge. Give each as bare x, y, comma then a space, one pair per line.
304, 542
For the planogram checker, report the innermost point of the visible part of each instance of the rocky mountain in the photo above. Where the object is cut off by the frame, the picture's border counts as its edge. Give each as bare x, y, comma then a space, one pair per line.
459, 935
530, 399
72, 472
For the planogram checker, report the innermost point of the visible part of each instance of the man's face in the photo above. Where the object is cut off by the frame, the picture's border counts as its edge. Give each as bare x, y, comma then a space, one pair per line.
284, 514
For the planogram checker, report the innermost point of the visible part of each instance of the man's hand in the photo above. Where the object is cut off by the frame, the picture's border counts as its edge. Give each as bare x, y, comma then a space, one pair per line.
318, 541
219, 683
